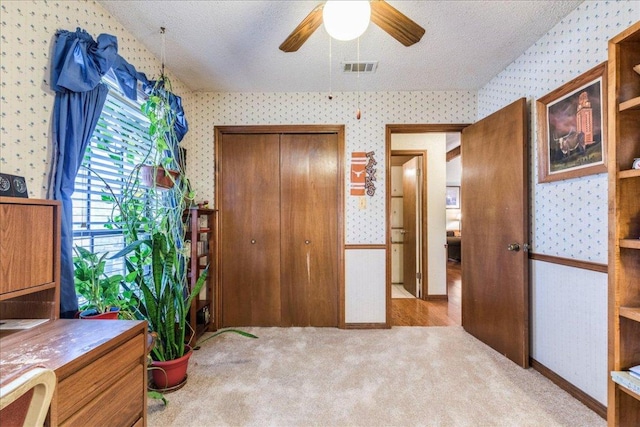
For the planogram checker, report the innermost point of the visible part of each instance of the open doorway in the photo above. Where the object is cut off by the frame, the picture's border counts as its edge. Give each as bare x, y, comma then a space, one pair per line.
408, 205
430, 303
452, 204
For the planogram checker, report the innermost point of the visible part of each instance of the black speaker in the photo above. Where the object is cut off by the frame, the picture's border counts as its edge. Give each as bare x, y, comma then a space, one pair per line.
13, 186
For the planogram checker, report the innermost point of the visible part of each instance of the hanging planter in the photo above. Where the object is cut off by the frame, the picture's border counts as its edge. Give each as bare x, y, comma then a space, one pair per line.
158, 177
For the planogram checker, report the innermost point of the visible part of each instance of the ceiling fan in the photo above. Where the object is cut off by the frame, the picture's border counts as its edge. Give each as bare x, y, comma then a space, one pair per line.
385, 16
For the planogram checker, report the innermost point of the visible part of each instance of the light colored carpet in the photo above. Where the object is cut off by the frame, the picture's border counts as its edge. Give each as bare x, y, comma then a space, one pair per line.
398, 291
404, 376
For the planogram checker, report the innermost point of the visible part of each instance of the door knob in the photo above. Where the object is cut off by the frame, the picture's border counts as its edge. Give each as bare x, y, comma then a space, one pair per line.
306, 242
514, 247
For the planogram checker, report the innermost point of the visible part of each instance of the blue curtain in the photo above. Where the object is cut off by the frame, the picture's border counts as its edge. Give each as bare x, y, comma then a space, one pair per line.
77, 67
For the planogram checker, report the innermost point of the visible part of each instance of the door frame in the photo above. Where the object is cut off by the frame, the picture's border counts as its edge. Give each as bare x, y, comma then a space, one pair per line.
398, 129
339, 130
423, 210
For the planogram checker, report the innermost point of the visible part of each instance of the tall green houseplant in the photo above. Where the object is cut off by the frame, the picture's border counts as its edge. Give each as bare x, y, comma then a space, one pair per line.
154, 228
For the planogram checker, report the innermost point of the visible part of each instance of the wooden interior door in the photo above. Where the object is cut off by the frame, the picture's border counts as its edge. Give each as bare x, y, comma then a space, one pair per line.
249, 212
495, 278
309, 212
409, 228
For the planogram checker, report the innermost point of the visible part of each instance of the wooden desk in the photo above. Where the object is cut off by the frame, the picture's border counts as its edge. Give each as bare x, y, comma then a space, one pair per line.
100, 367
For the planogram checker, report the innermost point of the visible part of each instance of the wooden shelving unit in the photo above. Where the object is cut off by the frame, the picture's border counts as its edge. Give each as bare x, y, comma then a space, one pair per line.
624, 225
29, 261
201, 228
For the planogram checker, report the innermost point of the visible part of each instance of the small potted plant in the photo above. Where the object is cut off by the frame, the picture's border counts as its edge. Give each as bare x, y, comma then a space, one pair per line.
101, 292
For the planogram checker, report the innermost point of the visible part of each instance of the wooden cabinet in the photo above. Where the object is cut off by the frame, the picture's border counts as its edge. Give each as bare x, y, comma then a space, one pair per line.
279, 199
201, 229
624, 224
29, 258
100, 367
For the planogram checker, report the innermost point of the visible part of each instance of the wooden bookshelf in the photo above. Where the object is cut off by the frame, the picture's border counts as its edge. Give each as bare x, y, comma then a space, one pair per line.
201, 227
631, 104
624, 226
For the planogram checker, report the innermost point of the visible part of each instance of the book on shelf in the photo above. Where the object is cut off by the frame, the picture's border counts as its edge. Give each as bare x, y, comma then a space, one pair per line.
625, 379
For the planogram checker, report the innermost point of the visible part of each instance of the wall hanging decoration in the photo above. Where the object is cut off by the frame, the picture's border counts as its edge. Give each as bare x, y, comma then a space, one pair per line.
572, 128
371, 174
358, 165
453, 198
363, 173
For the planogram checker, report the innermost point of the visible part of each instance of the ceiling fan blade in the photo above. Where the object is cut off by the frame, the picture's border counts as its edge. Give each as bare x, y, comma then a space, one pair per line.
395, 23
303, 31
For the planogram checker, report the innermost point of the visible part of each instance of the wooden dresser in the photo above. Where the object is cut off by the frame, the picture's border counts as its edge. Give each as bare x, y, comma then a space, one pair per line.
100, 367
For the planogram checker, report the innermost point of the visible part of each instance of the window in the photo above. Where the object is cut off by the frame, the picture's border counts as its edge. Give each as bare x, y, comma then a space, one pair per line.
119, 142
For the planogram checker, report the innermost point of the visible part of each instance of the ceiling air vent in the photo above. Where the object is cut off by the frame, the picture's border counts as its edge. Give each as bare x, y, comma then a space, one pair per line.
360, 67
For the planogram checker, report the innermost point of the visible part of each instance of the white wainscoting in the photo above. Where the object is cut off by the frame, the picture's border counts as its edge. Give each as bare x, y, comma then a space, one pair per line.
569, 325
365, 287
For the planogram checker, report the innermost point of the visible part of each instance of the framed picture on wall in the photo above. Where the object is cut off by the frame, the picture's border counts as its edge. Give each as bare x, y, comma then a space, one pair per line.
572, 128
453, 198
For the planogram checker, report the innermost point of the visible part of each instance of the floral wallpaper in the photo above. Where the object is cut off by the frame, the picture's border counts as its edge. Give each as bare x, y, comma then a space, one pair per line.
568, 218
27, 30
367, 134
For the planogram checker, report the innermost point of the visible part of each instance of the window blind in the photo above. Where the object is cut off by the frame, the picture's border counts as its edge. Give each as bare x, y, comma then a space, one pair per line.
119, 143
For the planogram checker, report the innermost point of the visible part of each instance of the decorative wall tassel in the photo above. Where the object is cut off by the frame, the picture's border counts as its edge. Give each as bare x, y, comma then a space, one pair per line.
358, 113
162, 52
330, 72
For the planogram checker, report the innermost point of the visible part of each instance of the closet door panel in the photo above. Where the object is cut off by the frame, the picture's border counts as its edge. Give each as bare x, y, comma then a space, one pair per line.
309, 212
250, 230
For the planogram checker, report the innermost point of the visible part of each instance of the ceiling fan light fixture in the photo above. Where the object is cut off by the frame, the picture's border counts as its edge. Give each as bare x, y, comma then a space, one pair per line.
346, 20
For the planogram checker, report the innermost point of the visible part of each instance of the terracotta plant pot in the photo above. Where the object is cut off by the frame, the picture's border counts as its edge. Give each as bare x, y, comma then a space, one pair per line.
109, 315
162, 179
172, 372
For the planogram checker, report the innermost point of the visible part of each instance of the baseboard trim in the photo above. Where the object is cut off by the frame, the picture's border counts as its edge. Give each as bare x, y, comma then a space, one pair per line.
574, 391
366, 326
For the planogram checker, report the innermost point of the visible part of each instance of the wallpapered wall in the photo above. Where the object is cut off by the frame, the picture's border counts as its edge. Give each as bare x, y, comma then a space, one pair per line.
568, 218
27, 34
367, 134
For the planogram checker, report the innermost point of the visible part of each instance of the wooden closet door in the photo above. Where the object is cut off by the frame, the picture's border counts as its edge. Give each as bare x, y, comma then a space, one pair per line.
249, 229
309, 218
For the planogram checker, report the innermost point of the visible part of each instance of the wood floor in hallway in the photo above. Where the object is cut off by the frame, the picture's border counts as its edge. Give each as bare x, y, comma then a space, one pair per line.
416, 312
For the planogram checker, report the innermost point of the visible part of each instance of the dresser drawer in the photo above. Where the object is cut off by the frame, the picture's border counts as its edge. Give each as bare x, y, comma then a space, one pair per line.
84, 385
121, 404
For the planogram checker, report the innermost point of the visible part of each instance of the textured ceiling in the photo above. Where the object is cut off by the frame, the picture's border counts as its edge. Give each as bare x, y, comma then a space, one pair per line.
232, 46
